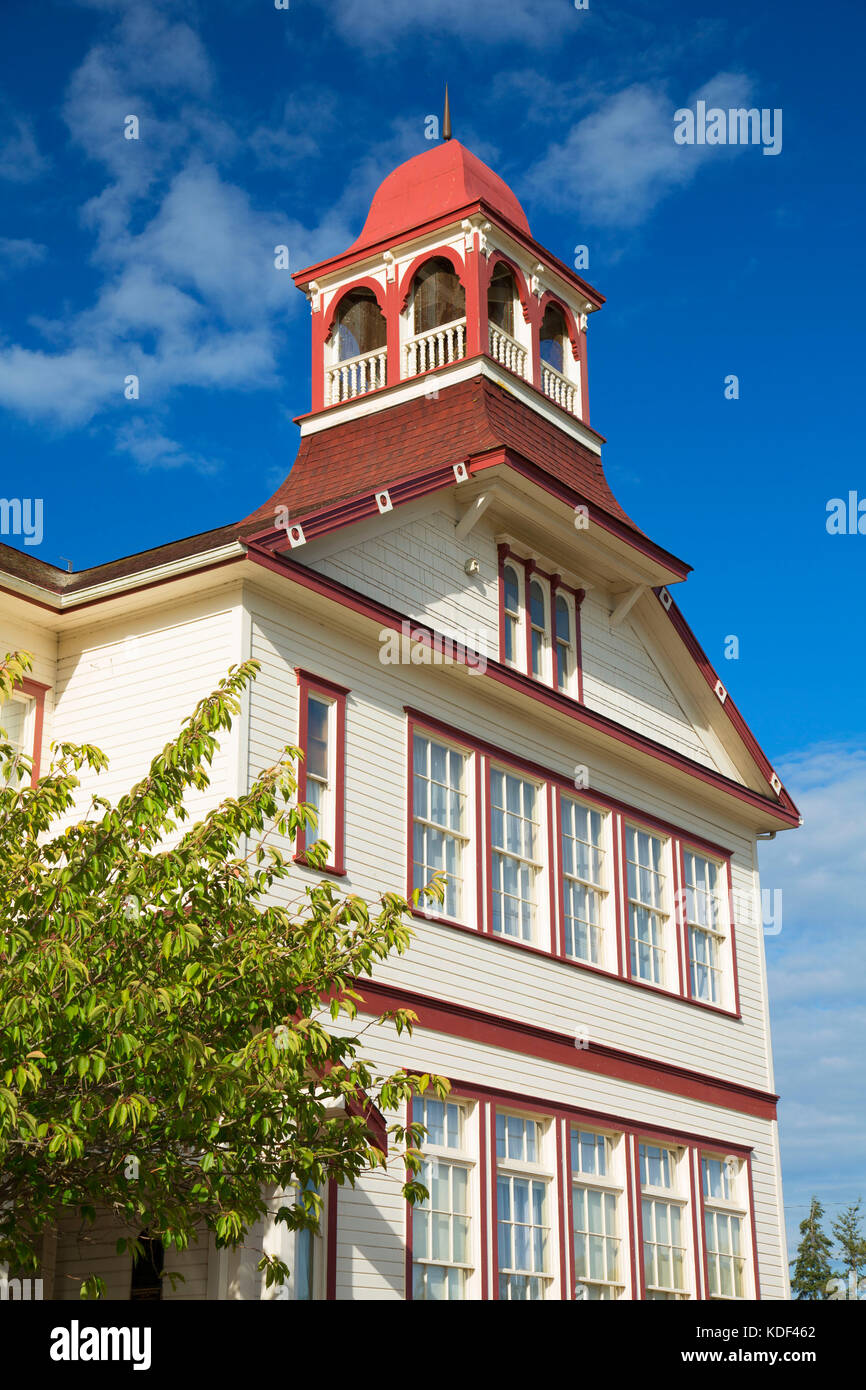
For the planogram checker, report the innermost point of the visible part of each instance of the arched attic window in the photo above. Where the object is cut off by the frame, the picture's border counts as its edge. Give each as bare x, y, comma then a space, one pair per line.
553, 338
438, 318
147, 1270
359, 341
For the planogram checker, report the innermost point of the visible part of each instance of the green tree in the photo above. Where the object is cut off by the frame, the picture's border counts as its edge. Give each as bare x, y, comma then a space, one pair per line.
176, 1034
812, 1271
851, 1246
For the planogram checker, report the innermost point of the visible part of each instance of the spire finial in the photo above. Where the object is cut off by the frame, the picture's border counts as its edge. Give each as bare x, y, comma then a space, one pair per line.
446, 118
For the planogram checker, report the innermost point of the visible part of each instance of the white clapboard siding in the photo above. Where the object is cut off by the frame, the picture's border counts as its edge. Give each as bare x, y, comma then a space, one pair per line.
621, 680
16, 636
446, 962
84, 1249
480, 1065
128, 686
415, 565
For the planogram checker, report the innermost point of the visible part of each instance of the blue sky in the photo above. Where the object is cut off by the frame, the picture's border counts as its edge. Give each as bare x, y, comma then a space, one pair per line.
262, 126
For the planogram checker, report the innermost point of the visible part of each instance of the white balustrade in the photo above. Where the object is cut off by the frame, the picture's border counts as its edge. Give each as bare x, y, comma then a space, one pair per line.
356, 376
505, 349
437, 348
559, 388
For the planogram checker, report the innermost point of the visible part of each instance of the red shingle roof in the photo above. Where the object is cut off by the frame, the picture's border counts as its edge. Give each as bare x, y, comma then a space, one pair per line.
468, 419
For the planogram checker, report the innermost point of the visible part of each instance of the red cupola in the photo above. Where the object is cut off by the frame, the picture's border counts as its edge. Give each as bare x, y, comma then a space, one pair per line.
446, 282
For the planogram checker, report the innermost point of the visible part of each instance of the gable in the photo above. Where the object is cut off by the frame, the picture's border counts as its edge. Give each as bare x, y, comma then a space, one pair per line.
626, 677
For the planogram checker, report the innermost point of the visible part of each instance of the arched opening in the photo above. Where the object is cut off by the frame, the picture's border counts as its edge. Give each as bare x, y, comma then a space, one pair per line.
538, 627
511, 604
438, 296
553, 338
564, 644
501, 295
146, 1284
359, 354
360, 325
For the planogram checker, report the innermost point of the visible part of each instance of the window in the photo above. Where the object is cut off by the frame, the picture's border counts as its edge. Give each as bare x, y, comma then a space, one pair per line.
646, 904
564, 649
596, 1195
724, 1227
500, 298
539, 623
441, 1245
439, 296
522, 1207
514, 854
705, 927
18, 723
553, 338
147, 1268
360, 325
538, 628
321, 771
440, 818
583, 877
664, 1225
511, 607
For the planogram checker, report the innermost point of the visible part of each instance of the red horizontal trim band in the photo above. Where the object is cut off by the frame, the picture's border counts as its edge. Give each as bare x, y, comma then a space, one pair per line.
389, 617
526, 1039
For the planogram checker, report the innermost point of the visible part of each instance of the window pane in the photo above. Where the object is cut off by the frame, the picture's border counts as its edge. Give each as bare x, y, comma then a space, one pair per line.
317, 737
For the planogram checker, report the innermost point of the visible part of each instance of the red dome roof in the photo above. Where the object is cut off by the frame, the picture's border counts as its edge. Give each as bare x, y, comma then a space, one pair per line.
441, 180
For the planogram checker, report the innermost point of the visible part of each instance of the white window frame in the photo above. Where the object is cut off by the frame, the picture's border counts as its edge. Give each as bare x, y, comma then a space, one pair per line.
518, 617
464, 1155
669, 978
542, 1170
611, 1183
545, 671
289, 1246
672, 1195
466, 839
607, 903
570, 687
540, 929
718, 935
26, 745
735, 1206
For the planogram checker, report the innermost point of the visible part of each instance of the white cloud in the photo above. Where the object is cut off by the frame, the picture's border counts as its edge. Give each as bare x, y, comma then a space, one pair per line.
619, 161
816, 969
20, 159
379, 24
18, 253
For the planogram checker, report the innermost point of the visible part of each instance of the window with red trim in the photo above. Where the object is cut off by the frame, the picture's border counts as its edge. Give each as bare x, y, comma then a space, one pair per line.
707, 929
21, 726
724, 1191
530, 861
539, 624
321, 773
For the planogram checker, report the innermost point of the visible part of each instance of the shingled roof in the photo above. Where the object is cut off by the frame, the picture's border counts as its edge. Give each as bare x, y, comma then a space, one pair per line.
468, 419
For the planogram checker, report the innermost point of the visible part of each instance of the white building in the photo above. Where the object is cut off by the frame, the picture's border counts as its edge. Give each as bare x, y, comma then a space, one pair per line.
481, 654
